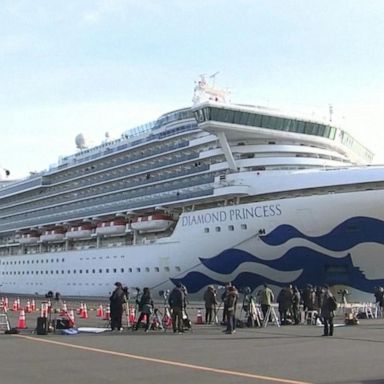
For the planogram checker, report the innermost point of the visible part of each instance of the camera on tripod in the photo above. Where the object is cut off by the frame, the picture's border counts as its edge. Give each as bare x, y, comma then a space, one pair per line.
164, 294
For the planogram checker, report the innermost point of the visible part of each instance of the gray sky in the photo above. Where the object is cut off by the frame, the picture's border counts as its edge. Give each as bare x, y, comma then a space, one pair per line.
91, 67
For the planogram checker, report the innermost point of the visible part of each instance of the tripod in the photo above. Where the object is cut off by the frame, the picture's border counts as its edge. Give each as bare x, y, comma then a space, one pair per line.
252, 313
164, 318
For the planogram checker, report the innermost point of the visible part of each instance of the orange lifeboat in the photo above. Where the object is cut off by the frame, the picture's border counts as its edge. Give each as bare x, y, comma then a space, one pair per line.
152, 223
82, 231
111, 227
55, 234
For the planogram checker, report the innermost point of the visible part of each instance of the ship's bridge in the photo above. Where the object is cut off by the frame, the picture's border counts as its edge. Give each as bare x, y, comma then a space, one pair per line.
232, 122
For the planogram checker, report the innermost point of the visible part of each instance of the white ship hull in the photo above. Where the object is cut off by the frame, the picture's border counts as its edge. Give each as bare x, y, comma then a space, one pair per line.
302, 239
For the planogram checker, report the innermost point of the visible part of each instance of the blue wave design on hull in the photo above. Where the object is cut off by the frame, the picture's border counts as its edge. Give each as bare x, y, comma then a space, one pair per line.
343, 237
317, 268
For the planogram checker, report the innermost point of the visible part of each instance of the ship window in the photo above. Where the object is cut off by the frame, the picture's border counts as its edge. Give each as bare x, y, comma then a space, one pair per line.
122, 270
166, 269
243, 226
100, 271
107, 270
74, 271
57, 272
130, 270
37, 272
206, 230
178, 269
218, 229
231, 228
93, 270
37, 262
157, 269
69, 272
23, 262
87, 271
146, 269
80, 271
114, 270
62, 272
138, 270
46, 272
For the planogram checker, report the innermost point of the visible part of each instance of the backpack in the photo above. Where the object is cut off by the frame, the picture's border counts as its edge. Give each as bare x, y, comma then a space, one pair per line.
332, 303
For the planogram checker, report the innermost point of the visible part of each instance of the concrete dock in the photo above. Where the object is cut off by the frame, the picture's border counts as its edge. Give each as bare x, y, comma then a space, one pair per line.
287, 354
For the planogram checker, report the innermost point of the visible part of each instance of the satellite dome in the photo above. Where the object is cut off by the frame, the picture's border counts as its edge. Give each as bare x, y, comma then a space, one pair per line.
4, 173
80, 141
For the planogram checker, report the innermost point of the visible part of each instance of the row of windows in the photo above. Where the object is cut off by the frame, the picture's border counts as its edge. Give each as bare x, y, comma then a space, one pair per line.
230, 228
90, 271
265, 121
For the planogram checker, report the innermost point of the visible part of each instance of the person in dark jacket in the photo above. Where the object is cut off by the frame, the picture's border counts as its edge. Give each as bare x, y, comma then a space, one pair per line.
176, 301
145, 308
231, 302
328, 305
210, 303
116, 302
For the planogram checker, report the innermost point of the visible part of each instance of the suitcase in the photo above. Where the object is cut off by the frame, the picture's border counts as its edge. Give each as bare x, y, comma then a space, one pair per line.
42, 326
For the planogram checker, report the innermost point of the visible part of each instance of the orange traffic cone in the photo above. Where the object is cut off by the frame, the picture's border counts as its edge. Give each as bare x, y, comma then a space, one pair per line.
33, 305
107, 315
100, 311
84, 314
132, 316
64, 309
199, 317
71, 315
6, 304
28, 308
14, 307
80, 310
21, 323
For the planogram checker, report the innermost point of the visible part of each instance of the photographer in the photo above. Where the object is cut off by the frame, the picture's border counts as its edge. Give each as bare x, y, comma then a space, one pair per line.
116, 301
210, 303
177, 303
145, 308
266, 299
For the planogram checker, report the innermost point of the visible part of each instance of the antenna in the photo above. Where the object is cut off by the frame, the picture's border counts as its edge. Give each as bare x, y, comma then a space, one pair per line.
213, 77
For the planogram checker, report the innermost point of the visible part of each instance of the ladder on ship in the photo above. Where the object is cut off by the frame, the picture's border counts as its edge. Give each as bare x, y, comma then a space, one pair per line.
4, 321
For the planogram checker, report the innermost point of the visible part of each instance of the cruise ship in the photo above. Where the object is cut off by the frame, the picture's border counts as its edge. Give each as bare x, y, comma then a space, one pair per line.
204, 195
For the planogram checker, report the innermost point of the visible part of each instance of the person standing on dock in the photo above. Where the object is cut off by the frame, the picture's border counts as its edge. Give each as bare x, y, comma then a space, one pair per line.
116, 302
328, 306
266, 299
210, 303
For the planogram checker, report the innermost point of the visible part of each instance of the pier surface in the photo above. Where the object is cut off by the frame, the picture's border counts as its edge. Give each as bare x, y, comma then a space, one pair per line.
287, 354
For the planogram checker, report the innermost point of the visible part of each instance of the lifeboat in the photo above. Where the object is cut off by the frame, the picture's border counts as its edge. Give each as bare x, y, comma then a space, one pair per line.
31, 237
111, 227
152, 223
79, 232
56, 234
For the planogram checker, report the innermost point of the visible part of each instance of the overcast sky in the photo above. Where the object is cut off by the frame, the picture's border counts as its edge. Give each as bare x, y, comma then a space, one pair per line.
91, 67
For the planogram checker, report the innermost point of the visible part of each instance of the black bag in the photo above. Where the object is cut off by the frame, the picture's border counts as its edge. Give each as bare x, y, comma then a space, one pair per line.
62, 324
42, 326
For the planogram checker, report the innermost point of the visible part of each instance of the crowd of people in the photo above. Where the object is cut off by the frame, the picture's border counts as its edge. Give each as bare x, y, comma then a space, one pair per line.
292, 302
